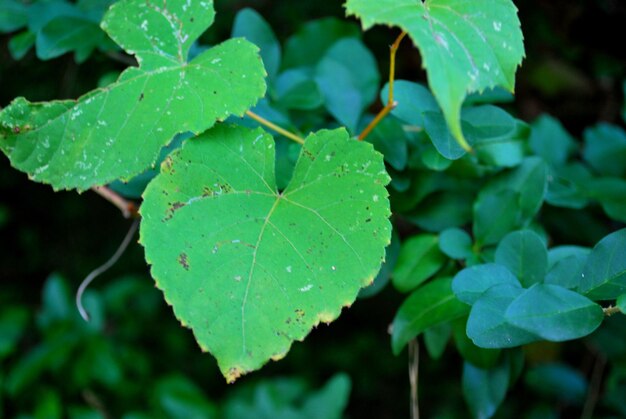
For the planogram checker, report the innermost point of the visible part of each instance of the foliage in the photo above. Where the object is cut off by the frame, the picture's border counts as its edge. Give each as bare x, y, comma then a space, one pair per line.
506, 234
73, 357
312, 244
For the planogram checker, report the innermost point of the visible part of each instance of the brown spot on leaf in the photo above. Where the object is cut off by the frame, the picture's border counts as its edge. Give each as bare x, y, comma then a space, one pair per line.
299, 314
175, 206
206, 192
308, 154
183, 260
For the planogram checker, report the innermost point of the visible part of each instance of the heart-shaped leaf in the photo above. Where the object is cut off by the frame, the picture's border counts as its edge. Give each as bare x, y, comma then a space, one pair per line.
248, 268
118, 131
466, 46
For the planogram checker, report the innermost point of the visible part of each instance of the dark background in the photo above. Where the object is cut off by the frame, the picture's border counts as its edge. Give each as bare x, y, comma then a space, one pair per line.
575, 66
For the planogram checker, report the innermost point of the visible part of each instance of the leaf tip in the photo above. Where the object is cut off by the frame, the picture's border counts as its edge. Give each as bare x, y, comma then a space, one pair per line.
233, 374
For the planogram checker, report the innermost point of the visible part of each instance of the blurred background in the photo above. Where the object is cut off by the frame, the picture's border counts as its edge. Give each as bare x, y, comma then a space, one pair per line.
134, 360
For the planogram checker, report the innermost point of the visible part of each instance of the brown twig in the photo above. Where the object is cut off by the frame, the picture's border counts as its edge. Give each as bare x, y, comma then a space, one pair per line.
128, 208
391, 103
594, 387
275, 127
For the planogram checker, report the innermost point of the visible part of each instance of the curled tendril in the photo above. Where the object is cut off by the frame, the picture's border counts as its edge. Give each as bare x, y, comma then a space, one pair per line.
101, 269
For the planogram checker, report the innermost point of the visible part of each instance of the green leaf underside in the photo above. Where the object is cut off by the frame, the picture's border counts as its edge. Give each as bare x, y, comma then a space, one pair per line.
466, 46
250, 269
78, 144
430, 305
419, 259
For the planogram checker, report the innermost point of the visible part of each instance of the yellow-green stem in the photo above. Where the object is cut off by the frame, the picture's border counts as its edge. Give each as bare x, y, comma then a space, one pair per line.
275, 127
391, 103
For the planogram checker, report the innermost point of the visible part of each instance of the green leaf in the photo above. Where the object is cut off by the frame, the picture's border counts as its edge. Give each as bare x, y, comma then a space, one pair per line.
429, 305
487, 326
330, 401
33, 364
419, 259
558, 381
309, 45
443, 210
605, 149
13, 15
20, 44
497, 138
413, 100
471, 283
530, 180
495, 214
465, 46
289, 398
250, 269
348, 79
296, 89
178, 397
437, 129
455, 243
251, 25
490, 130
48, 405
554, 313
604, 275
611, 194
13, 323
567, 186
525, 255
489, 96
78, 144
621, 303
565, 266
433, 160
390, 139
484, 389
436, 339
477, 356
68, 33
550, 140
382, 279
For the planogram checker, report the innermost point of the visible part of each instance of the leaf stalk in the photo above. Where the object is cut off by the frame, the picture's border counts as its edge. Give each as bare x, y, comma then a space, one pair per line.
391, 103
275, 127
